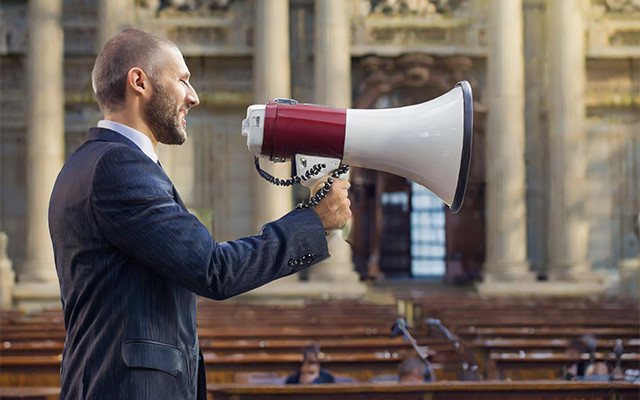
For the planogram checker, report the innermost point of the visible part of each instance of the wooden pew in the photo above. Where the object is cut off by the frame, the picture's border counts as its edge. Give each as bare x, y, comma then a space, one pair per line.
29, 393
485, 348
45, 370
543, 390
540, 390
547, 366
471, 333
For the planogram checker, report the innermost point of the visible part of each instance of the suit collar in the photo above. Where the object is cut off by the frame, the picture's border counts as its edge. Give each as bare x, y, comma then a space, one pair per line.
108, 135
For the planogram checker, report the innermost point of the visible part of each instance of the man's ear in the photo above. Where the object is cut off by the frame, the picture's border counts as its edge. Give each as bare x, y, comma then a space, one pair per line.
138, 81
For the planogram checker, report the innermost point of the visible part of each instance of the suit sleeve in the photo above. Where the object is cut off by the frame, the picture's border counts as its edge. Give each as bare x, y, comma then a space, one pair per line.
133, 205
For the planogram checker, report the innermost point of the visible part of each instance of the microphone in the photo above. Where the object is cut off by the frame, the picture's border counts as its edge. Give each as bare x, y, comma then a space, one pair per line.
436, 323
399, 327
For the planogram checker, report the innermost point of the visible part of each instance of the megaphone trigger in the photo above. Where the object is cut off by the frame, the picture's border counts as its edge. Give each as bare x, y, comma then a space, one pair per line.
315, 169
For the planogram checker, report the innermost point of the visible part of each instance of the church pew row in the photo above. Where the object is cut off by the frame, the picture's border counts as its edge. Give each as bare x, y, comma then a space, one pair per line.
390, 346
45, 370
545, 390
486, 349
523, 366
318, 321
29, 393
360, 367
525, 390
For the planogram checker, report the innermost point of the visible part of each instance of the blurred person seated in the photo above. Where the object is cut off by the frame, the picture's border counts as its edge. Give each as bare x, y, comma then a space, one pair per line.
412, 370
310, 371
587, 370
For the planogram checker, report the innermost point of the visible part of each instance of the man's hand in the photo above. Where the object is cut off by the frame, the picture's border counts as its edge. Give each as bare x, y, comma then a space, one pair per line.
334, 209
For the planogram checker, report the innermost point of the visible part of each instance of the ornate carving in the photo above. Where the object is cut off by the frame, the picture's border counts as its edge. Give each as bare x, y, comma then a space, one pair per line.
183, 8
614, 28
446, 26
415, 7
623, 5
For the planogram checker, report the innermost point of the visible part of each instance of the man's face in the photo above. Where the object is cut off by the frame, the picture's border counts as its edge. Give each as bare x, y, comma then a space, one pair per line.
415, 376
309, 372
171, 98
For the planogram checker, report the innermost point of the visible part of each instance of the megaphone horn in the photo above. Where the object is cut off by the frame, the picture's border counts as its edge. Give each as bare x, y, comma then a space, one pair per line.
428, 143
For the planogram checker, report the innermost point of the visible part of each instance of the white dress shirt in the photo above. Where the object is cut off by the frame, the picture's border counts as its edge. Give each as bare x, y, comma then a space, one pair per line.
140, 139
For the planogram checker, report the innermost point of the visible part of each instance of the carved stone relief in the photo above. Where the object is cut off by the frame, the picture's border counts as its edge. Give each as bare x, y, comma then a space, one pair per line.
623, 5
166, 8
416, 7
400, 26
200, 27
613, 28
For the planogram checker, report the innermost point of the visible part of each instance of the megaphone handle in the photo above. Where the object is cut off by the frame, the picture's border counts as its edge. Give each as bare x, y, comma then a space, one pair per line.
320, 189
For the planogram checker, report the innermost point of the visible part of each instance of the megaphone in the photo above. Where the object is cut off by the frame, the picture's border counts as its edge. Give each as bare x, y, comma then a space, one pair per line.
428, 143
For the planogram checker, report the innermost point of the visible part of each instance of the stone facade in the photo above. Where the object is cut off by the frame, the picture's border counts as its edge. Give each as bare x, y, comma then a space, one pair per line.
214, 171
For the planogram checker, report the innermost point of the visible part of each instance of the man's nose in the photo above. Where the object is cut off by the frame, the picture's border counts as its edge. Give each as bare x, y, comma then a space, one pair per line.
192, 97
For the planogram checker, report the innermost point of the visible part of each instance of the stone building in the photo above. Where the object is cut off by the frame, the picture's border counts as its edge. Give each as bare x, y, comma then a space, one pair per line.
553, 200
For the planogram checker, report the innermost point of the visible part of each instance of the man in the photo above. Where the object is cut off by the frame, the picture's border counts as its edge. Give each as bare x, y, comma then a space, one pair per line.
131, 258
411, 370
310, 370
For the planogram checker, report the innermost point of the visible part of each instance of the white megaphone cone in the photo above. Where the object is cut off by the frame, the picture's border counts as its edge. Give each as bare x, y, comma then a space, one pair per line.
428, 143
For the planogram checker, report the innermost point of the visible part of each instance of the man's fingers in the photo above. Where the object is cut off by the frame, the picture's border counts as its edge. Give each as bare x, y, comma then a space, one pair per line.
334, 210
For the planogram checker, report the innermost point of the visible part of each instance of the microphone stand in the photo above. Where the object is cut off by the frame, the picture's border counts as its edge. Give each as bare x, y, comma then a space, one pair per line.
617, 374
469, 363
401, 327
591, 345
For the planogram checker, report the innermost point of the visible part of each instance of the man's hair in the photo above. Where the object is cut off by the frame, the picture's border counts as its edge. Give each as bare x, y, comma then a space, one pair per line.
130, 48
411, 365
311, 352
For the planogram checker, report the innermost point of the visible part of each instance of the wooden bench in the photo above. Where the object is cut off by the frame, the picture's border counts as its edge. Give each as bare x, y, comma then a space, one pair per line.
45, 370
539, 390
525, 366
29, 393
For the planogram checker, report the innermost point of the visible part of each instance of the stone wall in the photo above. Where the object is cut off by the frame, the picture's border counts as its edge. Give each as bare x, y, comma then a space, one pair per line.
214, 169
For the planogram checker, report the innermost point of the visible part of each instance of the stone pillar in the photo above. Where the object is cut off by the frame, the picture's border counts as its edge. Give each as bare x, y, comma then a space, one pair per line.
37, 278
7, 276
332, 70
271, 79
506, 259
568, 235
113, 17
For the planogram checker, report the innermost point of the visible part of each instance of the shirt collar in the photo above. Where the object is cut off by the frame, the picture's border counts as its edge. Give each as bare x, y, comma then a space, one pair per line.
140, 139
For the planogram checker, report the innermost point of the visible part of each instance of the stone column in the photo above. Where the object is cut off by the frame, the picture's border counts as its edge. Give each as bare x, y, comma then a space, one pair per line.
271, 79
506, 259
113, 17
332, 70
37, 278
568, 235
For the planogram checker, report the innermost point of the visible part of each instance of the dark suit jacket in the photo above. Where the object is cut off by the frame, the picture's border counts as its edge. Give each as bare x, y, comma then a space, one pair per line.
130, 260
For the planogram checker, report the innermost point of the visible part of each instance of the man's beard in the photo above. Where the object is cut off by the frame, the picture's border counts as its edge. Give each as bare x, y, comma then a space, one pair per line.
163, 118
